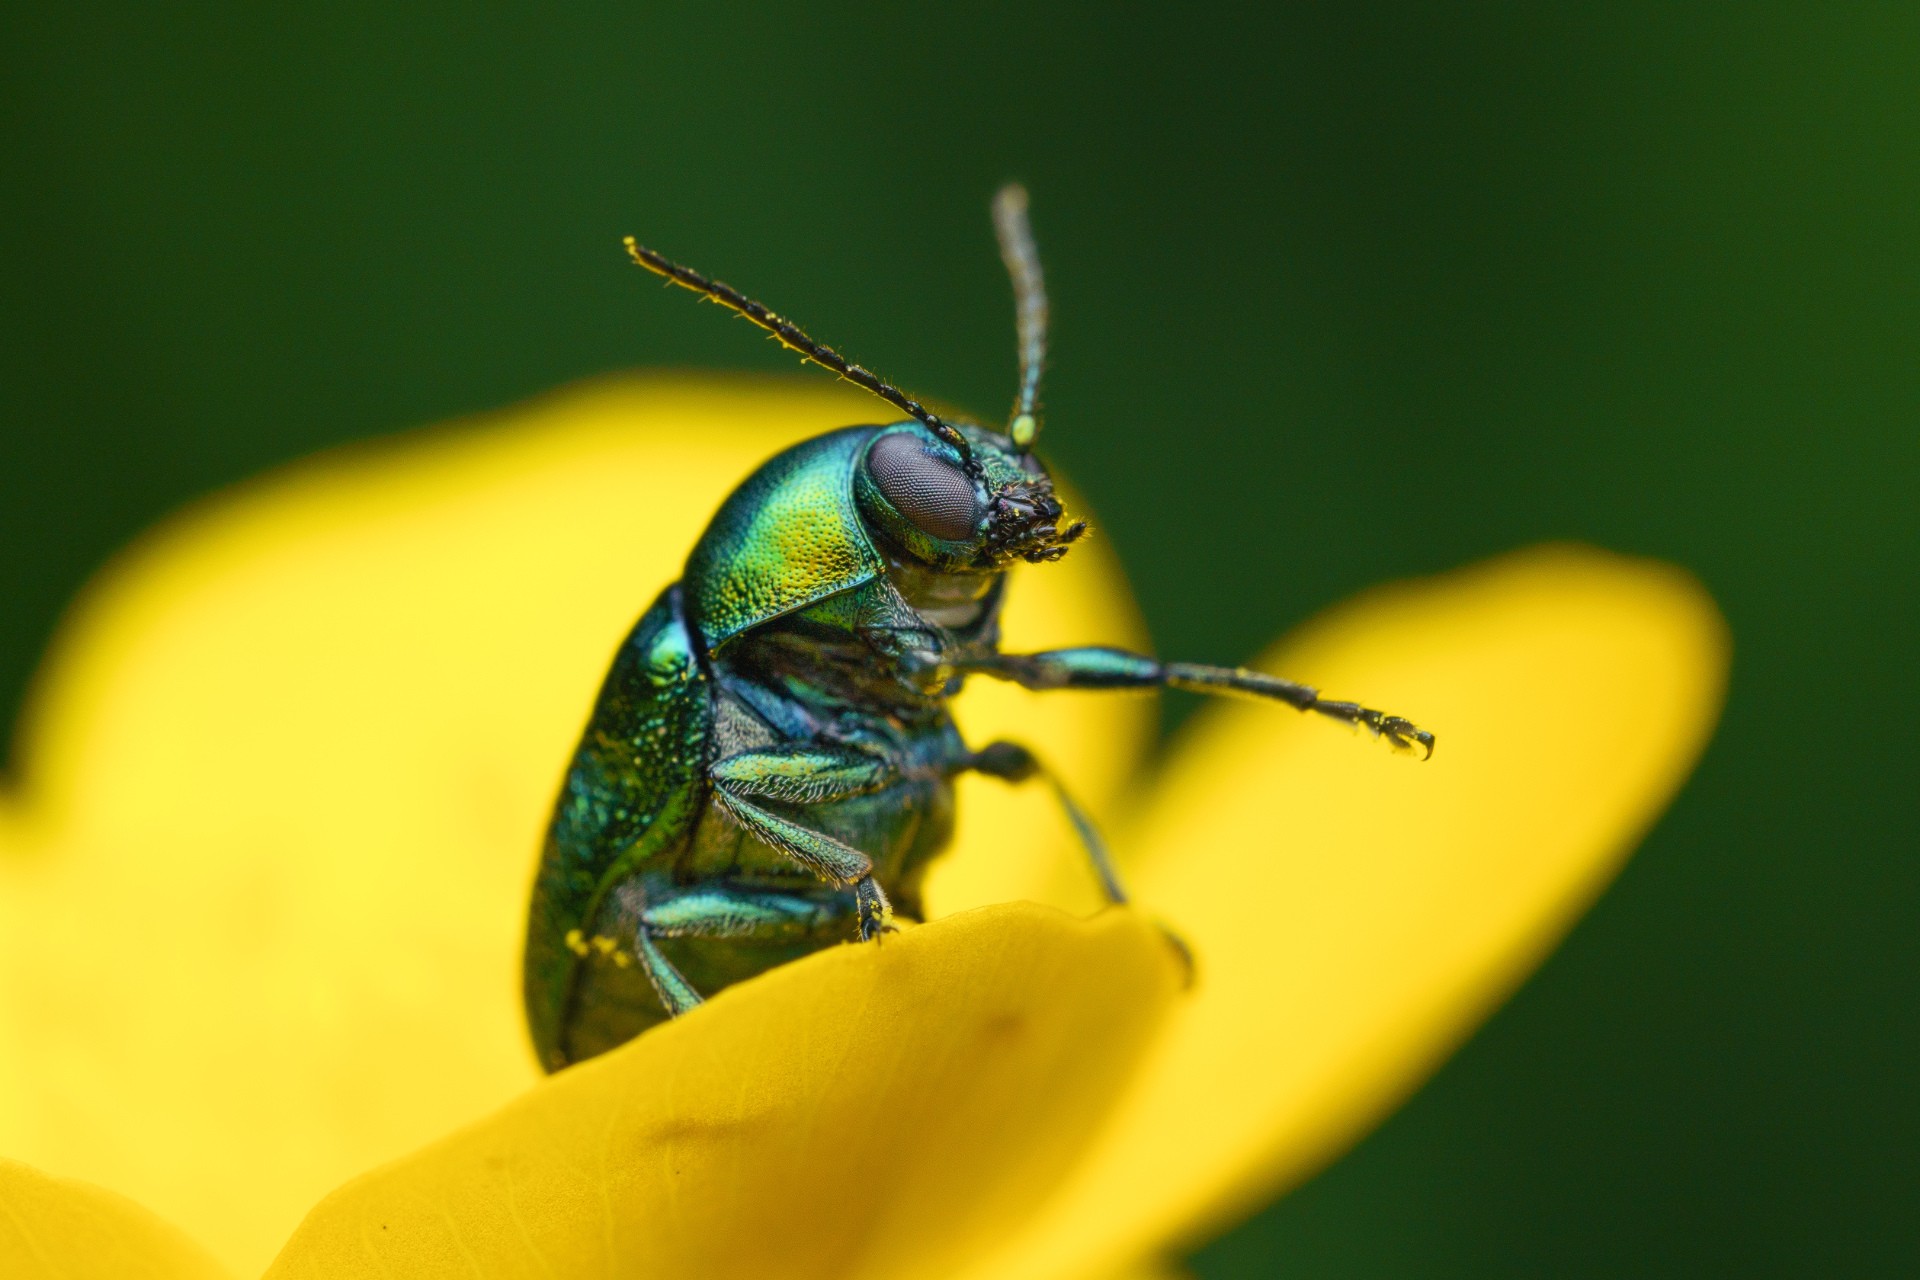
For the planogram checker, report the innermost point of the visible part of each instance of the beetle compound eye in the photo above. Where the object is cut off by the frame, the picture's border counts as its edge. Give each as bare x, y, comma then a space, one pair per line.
928, 490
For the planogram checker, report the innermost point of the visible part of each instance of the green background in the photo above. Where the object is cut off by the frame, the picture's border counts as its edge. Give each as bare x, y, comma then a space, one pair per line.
1342, 294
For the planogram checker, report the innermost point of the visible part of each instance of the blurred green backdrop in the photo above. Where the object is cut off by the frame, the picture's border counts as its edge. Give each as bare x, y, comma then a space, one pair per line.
1403, 286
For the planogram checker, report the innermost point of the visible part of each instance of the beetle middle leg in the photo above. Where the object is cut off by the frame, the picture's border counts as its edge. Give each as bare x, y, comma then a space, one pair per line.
799, 775
1011, 762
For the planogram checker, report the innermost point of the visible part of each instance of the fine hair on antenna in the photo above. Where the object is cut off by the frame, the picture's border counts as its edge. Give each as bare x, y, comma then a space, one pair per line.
795, 339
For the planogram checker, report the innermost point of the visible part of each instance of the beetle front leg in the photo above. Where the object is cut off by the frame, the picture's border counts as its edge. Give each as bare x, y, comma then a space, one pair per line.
805, 775
1100, 667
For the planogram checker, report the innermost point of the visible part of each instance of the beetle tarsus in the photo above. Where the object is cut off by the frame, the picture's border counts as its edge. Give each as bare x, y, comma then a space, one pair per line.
1399, 733
876, 913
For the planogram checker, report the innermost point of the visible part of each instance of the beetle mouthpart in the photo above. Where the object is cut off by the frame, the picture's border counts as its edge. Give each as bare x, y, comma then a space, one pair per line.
1023, 523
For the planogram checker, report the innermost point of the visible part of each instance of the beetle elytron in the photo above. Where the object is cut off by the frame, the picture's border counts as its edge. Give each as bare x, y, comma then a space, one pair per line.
769, 766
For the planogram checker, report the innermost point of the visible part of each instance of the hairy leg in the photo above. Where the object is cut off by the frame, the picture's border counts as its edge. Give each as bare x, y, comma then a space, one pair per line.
1100, 667
747, 783
717, 911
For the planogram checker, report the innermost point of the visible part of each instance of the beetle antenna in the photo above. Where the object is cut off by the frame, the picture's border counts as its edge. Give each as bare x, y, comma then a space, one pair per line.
794, 338
1029, 307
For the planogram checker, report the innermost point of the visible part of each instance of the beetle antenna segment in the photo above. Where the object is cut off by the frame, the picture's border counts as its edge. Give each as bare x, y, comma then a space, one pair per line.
1029, 307
794, 338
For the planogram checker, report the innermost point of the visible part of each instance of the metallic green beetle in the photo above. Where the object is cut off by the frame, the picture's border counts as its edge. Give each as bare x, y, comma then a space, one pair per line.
769, 766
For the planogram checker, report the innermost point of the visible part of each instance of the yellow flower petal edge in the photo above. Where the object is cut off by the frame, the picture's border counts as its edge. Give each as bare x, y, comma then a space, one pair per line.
1356, 914
57, 1229
865, 1112
263, 877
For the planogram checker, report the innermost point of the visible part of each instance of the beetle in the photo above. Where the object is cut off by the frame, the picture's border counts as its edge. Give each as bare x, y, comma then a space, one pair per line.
768, 768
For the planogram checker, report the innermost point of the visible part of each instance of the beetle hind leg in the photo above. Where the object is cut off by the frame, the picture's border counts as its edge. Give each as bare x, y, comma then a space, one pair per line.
675, 992
719, 912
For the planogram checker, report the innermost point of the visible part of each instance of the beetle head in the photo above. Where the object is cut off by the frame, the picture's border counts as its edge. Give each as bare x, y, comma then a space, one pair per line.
955, 496
977, 514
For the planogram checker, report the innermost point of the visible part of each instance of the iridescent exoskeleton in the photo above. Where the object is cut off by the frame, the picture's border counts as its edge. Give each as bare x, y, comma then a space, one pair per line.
768, 769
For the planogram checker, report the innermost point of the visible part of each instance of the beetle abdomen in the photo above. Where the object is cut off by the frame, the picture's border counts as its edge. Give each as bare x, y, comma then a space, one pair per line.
631, 793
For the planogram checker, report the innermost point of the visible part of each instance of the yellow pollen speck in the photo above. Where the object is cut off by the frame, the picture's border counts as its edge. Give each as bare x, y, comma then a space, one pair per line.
576, 942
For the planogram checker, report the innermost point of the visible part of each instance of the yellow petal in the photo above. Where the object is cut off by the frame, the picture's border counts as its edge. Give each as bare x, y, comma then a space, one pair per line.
866, 1112
56, 1229
263, 883
1355, 914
